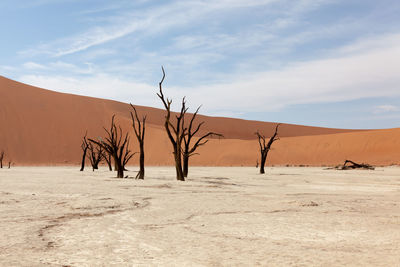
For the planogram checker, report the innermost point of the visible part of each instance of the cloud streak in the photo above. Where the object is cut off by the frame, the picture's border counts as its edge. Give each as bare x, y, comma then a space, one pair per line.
367, 74
152, 21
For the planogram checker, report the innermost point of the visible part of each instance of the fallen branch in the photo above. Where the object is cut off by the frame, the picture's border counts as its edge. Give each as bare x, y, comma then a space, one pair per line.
351, 165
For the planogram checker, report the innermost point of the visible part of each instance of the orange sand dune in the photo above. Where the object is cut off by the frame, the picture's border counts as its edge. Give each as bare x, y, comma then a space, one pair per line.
378, 147
42, 127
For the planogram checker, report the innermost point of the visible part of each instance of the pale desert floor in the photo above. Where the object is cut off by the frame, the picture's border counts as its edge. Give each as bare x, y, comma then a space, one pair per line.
220, 216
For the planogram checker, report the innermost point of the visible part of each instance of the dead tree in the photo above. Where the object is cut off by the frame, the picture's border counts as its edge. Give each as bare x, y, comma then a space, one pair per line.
139, 132
117, 145
96, 154
188, 150
1, 159
174, 129
266, 147
84, 146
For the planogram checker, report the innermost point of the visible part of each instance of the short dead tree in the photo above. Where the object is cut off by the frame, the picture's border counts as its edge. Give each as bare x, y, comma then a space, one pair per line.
96, 155
1, 159
84, 146
189, 150
266, 147
174, 129
139, 132
116, 144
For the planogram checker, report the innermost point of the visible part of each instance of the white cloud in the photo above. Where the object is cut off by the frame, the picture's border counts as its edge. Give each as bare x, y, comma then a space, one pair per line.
370, 74
385, 109
99, 85
68, 67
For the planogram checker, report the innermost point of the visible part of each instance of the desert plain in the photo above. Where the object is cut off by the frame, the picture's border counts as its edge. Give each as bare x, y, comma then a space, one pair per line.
221, 216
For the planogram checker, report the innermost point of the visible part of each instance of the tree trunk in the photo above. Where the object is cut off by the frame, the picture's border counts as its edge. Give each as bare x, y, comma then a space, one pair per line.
115, 165
263, 160
185, 165
83, 159
178, 166
140, 175
1, 159
120, 172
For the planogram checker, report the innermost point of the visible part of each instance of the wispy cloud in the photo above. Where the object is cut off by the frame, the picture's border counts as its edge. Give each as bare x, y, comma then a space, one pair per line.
366, 74
35, 3
59, 66
385, 109
155, 20
34, 66
7, 68
98, 85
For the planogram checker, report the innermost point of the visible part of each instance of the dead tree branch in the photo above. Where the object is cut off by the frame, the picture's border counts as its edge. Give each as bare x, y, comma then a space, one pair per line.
107, 158
192, 130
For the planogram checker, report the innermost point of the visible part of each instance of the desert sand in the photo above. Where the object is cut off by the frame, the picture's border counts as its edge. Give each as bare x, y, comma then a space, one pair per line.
220, 217
42, 127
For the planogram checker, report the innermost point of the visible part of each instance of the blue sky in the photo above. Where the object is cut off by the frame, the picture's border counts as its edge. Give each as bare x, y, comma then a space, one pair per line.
314, 62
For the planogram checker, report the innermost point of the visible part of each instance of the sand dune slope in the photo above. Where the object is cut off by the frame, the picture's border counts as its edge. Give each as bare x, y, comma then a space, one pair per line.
42, 127
379, 147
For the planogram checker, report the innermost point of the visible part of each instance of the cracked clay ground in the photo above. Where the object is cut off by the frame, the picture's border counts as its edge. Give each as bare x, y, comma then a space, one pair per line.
220, 217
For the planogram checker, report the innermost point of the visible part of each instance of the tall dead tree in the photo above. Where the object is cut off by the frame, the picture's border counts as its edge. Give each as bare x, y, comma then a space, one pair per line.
188, 150
174, 129
266, 147
1, 159
96, 154
84, 146
139, 132
117, 145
